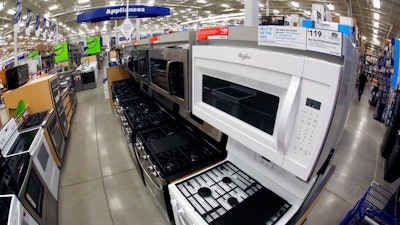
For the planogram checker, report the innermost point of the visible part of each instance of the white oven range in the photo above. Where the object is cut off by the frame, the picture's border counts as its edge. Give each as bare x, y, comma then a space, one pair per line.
283, 112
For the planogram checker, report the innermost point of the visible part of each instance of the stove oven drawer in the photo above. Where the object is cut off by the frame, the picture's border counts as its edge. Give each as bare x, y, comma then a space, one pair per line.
180, 216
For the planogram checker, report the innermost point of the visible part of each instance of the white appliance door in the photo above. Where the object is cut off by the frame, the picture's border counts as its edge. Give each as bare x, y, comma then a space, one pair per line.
25, 217
45, 163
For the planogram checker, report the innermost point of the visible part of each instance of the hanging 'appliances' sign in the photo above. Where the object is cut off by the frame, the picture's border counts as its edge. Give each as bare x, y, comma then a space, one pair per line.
119, 12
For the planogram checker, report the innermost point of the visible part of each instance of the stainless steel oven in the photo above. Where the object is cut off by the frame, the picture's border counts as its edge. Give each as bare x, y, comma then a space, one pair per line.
169, 73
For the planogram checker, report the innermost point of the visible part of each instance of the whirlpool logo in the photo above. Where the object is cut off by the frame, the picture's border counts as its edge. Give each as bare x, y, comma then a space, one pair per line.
244, 56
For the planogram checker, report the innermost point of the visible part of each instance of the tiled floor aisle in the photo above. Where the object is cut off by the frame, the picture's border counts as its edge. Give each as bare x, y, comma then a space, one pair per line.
99, 184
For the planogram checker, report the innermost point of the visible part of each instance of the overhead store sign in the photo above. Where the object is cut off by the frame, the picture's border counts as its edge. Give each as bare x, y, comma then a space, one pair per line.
119, 12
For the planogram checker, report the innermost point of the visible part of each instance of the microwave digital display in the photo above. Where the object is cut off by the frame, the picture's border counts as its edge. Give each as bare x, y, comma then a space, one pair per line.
313, 104
252, 106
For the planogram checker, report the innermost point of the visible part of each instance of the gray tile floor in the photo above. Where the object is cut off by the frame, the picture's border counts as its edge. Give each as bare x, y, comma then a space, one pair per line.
99, 184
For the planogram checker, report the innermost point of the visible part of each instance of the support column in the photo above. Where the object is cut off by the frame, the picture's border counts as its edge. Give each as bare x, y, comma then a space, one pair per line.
251, 13
138, 24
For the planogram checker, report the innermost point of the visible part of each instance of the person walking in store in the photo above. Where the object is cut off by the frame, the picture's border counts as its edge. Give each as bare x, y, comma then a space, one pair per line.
362, 79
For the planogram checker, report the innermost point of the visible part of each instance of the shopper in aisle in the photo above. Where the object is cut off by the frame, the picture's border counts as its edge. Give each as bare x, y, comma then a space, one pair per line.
362, 79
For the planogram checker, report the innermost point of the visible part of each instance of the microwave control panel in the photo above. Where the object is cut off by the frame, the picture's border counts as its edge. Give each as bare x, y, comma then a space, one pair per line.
316, 105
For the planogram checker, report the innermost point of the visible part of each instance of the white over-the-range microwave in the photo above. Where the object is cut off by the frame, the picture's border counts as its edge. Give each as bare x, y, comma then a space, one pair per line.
283, 113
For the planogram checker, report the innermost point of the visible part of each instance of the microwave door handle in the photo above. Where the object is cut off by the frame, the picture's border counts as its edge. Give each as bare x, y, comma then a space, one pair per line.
168, 76
287, 114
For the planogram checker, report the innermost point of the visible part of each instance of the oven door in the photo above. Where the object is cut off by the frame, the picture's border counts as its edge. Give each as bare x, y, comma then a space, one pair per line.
56, 135
33, 195
46, 165
278, 105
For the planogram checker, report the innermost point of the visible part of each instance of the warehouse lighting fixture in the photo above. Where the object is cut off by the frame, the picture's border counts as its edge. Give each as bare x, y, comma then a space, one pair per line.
53, 7
46, 15
216, 18
308, 13
376, 3
374, 36
24, 17
376, 41
1, 6
11, 11
83, 1
5, 25
201, 1
275, 11
376, 24
224, 5
112, 3
150, 2
376, 16
375, 31
330, 7
295, 4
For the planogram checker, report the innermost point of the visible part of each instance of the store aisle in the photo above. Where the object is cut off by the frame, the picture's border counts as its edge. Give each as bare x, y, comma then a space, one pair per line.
99, 184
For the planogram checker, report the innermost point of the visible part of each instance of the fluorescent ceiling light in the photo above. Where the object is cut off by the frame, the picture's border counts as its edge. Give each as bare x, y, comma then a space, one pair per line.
295, 4
308, 13
47, 15
376, 24
24, 17
375, 31
11, 11
6, 25
1, 6
330, 7
83, 1
225, 5
202, 1
53, 7
112, 3
217, 18
376, 41
376, 3
150, 2
374, 36
275, 11
376, 16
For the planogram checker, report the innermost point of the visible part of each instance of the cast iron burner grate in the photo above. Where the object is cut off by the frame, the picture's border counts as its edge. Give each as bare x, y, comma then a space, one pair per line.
34, 120
226, 195
175, 148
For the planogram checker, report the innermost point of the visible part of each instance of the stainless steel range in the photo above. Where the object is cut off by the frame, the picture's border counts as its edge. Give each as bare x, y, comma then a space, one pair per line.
168, 152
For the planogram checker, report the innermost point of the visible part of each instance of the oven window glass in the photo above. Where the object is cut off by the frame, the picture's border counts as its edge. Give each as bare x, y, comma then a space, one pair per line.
88, 77
43, 156
176, 78
252, 106
142, 67
5, 203
35, 192
159, 73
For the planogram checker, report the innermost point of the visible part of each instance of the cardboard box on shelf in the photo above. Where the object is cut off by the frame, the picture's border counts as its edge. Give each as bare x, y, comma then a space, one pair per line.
317, 12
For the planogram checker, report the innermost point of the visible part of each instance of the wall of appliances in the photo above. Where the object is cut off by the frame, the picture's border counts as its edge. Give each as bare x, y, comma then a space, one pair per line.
276, 127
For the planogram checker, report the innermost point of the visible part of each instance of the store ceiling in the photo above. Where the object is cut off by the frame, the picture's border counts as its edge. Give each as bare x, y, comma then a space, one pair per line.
65, 12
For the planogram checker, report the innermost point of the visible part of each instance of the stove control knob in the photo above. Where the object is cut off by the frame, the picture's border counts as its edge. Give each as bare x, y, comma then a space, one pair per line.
146, 157
137, 144
155, 174
141, 148
152, 168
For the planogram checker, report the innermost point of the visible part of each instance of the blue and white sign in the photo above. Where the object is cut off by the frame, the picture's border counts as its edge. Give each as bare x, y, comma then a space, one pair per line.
17, 16
119, 12
28, 21
127, 28
282, 36
37, 31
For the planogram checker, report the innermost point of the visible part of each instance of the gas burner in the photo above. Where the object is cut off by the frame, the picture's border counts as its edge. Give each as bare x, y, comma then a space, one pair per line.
204, 192
227, 180
153, 136
233, 201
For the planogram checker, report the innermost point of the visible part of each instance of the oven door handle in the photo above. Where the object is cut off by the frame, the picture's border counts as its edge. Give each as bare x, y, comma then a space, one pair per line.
287, 116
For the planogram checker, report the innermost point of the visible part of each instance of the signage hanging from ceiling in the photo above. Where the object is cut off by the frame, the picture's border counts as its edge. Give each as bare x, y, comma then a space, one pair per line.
119, 12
